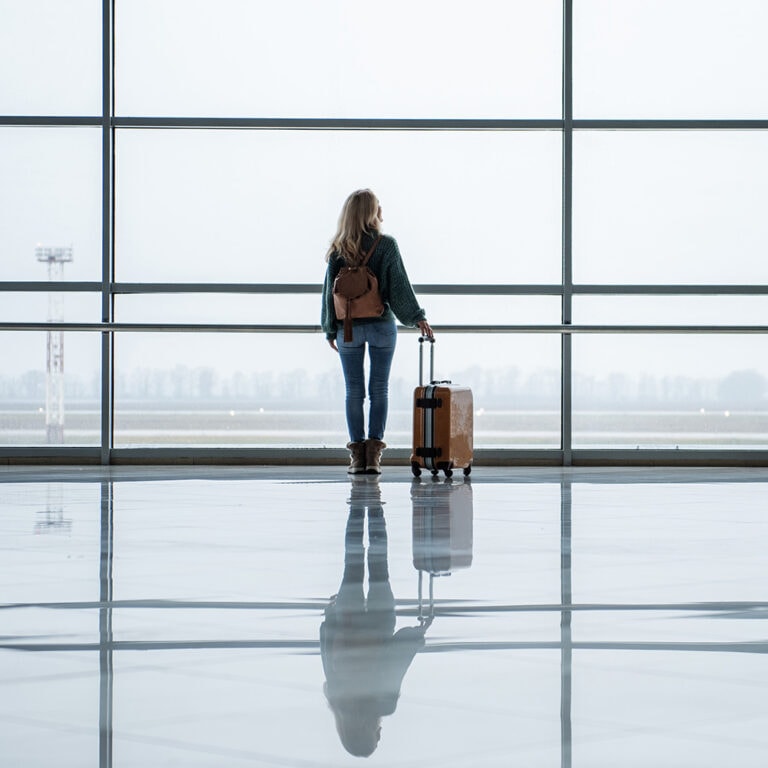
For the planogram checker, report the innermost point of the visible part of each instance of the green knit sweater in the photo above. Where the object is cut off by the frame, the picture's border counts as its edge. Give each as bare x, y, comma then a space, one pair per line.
394, 286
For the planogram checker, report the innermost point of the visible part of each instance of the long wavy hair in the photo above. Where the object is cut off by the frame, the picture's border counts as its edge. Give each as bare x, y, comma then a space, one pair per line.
360, 214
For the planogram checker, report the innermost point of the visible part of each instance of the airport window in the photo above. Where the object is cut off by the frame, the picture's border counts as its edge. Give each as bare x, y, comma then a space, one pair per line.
582, 220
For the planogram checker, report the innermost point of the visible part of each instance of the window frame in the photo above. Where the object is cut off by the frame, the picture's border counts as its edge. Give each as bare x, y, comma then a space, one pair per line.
566, 125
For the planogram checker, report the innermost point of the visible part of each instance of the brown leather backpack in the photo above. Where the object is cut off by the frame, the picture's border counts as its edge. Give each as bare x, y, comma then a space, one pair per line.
356, 293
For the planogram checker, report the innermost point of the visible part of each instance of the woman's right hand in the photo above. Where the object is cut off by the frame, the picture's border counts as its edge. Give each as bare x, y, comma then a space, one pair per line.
425, 329
332, 342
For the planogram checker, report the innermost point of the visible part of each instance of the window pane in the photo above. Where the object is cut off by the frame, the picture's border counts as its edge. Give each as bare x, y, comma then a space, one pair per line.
27, 416
491, 310
50, 196
670, 207
196, 308
665, 391
671, 310
287, 389
339, 58
304, 309
515, 382
50, 57
226, 389
262, 206
661, 59
44, 307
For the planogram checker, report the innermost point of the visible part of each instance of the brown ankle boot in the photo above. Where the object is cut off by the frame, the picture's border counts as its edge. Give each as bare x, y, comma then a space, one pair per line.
373, 449
356, 458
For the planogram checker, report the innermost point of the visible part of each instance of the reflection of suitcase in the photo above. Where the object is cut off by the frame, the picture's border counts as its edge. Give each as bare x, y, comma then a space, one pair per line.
442, 422
442, 526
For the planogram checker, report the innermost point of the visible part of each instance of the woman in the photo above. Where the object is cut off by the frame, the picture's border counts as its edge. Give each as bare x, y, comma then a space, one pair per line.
358, 232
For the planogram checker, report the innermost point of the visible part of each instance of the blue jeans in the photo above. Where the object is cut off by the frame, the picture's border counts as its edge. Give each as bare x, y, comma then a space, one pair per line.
381, 337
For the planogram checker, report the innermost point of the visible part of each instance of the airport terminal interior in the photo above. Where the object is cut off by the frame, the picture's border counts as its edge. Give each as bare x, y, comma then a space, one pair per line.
189, 574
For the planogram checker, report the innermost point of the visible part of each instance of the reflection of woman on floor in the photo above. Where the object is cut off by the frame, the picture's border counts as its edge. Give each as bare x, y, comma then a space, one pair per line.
364, 661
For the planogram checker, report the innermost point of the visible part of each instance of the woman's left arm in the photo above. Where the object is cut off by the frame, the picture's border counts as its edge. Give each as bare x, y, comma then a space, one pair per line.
401, 296
327, 312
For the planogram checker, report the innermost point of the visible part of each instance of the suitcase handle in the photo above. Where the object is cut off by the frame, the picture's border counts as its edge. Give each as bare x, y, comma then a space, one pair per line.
431, 341
427, 617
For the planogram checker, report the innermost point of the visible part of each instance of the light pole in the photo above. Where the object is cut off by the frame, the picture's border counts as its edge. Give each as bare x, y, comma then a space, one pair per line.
55, 258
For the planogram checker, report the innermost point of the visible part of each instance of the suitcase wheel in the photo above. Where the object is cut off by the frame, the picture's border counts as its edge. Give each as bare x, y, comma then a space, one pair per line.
467, 470
448, 472
416, 469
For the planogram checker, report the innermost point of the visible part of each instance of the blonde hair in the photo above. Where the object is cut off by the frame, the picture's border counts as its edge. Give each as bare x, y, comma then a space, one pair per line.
359, 214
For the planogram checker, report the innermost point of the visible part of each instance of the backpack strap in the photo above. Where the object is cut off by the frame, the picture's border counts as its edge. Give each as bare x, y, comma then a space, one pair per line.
348, 335
371, 251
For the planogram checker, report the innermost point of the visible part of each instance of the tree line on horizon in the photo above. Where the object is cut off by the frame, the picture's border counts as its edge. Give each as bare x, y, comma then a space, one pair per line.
507, 388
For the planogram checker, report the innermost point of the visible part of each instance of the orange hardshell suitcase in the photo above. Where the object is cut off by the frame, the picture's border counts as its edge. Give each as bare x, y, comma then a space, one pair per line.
442, 422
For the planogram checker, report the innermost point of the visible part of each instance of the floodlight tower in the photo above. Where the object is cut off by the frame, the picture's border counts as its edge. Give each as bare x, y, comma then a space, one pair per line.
51, 519
55, 258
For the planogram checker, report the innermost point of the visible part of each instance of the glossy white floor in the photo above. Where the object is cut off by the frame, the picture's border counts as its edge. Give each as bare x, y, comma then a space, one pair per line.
170, 616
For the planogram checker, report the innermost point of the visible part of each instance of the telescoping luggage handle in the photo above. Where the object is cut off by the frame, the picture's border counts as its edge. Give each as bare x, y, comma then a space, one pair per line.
431, 341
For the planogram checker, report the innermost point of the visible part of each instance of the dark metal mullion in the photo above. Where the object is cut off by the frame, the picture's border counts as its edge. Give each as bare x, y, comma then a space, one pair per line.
113, 203
107, 219
121, 289
45, 120
287, 123
566, 346
480, 289
438, 289
565, 330
746, 456
339, 124
106, 676
671, 290
487, 457
670, 125
65, 455
46, 286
